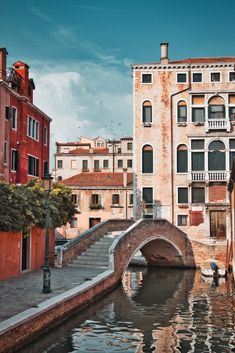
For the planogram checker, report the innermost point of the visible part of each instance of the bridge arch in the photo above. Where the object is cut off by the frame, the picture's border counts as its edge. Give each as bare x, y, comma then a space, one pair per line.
152, 237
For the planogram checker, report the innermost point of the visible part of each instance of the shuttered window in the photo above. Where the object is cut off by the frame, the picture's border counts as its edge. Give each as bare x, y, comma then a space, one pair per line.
147, 159
147, 112
182, 159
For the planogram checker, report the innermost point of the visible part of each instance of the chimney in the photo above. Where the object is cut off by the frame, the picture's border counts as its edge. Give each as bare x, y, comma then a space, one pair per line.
164, 53
23, 70
125, 177
3, 63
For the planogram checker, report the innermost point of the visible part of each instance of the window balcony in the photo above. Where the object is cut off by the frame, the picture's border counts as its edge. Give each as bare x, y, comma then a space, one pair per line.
95, 206
201, 176
217, 124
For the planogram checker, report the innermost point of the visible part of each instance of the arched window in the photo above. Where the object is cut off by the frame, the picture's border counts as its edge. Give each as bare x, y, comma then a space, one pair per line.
147, 159
216, 156
182, 112
147, 112
182, 159
216, 108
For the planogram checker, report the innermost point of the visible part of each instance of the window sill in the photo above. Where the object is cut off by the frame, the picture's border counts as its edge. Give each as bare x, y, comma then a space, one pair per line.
182, 124
116, 206
147, 124
183, 205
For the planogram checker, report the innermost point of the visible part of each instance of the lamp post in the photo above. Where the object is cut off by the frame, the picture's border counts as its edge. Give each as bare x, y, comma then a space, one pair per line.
47, 183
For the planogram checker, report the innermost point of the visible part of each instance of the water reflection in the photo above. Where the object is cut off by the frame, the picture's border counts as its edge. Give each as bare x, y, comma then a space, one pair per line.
158, 310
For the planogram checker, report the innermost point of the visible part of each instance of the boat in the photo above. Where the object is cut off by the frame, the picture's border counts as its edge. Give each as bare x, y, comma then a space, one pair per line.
210, 267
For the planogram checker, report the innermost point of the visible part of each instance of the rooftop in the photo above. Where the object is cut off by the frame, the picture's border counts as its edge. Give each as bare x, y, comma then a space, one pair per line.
97, 179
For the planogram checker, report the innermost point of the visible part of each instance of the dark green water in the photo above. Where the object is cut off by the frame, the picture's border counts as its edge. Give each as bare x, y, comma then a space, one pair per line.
158, 310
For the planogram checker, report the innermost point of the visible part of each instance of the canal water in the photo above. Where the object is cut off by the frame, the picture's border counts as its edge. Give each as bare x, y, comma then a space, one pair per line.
155, 310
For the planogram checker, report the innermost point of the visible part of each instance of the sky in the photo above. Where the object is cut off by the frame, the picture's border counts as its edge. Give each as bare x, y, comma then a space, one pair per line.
80, 51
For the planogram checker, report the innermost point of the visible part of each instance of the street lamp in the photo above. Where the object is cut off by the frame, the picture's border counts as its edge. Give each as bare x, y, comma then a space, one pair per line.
47, 183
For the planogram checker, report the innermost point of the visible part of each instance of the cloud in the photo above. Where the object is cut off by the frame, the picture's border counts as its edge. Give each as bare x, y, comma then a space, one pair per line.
84, 99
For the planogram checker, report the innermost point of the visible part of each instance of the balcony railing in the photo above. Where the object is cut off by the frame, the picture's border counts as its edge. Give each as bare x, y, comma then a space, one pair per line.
209, 176
217, 124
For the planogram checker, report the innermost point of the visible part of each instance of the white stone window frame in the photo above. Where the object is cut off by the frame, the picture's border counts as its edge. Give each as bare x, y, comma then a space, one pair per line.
216, 72
45, 134
142, 116
13, 170
146, 73
181, 214
36, 129
30, 155
181, 72
230, 72
197, 72
141, 160
181, 173
6, 153
191, 106
16, 119
176, 111
177, 195
142, 192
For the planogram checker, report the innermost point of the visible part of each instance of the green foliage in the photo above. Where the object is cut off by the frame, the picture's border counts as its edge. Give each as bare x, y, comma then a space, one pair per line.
24, 206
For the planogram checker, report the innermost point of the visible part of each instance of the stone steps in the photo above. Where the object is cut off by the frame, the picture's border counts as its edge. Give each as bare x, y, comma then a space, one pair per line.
97, 255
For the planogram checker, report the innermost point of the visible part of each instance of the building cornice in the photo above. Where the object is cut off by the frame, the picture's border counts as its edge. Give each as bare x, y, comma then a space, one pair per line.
160, 67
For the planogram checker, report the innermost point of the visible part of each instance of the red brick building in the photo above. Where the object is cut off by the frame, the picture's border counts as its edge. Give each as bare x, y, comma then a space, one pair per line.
24, 128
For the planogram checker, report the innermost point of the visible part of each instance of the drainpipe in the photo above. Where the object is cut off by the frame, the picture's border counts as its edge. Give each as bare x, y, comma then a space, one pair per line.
172, 140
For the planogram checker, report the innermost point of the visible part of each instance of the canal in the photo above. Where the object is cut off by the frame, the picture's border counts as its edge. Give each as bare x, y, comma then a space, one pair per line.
155, 310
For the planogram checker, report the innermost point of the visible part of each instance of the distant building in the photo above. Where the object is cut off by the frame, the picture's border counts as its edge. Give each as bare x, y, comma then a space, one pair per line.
98, 197
184, 137
24, 128
231, 247
92, 155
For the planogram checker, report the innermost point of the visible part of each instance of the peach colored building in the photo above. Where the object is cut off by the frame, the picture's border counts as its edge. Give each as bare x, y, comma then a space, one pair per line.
92, 155
98, 197
184, 138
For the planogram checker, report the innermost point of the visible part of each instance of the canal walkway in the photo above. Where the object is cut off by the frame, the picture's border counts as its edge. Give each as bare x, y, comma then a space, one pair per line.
24, 292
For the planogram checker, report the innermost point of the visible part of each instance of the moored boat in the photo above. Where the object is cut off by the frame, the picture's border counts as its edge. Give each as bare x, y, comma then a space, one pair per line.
210, 267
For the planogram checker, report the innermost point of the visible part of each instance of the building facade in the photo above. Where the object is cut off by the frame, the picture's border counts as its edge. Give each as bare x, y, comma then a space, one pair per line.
98, 197
92, 155
25, 129
184, 137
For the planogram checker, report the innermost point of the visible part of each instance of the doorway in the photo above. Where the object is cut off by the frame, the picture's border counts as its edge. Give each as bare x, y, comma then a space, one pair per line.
25, 258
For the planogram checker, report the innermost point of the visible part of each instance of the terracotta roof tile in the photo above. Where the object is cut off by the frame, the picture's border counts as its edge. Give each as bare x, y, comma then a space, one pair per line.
97, 179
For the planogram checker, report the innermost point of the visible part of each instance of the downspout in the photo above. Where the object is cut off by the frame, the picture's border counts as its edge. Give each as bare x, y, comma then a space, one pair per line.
172, 141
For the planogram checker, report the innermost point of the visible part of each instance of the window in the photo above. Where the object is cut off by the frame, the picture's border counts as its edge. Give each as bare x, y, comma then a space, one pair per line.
14, 160
198, 114
33, 128
182, 112
197, 77
74, 198
182, 220
44, 135
33, 166
232, 113
105, 163
148, 196
14, 118
120, 163
115, 199
215, 76
129, 163
7, 113
73, 164
146, 78
5, 152
95, 202
181, 77
231, 152
73, 222
182, 159
131, 199
45, 168
216, 156
197, 157
147, 159
85, 165
198, 195
216, 112
232, 76
119, 150
182, 195
96, 165
129, 146
147, 112
59, 164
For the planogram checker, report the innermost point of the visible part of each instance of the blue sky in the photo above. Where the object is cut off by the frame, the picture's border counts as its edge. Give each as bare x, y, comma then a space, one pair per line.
79, 52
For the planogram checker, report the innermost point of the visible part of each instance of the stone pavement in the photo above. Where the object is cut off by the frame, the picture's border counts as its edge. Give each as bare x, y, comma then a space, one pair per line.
20, 293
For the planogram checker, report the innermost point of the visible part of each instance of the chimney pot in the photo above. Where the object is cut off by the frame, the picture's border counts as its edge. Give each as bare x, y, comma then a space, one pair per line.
3, 63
